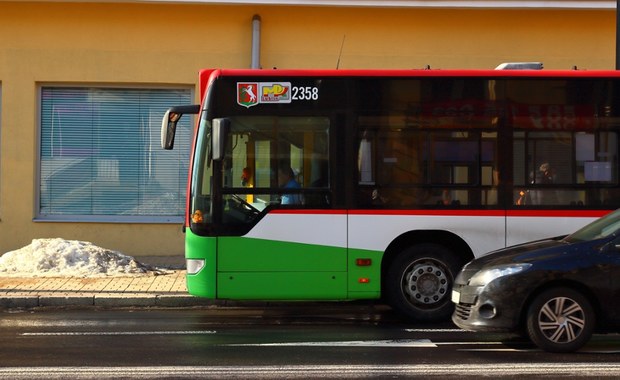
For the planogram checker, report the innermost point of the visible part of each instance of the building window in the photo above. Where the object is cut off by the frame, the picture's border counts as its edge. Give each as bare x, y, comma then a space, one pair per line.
101, 159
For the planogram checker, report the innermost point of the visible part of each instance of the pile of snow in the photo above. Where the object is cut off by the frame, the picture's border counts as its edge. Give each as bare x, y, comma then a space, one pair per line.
69, 258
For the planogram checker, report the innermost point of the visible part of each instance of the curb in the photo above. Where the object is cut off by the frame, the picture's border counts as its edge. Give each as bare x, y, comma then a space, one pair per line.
103, 301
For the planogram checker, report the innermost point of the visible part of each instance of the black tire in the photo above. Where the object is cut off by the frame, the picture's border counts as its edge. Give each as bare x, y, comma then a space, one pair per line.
419, 282
560, 320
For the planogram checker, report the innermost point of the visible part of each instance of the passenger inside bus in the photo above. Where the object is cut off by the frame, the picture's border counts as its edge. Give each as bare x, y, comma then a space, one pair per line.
545, 175
286, 179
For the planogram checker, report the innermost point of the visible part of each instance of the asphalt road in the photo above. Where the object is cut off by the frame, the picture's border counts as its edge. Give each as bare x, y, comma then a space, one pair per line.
274, 343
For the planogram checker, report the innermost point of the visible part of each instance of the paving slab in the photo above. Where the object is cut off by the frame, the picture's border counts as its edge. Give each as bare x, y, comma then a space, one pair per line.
165, 289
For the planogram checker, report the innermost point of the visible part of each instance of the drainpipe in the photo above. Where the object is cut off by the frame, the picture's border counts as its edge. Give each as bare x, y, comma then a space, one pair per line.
618, 35
256, 42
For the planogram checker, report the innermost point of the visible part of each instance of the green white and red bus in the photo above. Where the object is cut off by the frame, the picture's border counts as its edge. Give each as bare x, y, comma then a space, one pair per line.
397, 177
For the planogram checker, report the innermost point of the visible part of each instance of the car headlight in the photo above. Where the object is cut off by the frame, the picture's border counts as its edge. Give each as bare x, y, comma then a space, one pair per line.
484, 276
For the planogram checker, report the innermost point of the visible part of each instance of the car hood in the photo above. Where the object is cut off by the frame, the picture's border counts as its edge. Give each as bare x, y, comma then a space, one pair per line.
534, 252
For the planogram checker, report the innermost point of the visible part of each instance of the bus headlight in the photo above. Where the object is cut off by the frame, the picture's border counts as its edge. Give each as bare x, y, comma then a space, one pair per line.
194, 265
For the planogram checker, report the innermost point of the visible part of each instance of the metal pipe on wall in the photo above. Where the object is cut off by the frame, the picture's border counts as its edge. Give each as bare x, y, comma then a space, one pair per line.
256, 42
618, 35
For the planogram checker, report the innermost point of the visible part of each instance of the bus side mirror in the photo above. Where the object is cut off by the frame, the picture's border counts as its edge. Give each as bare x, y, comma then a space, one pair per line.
170, 120
221, 127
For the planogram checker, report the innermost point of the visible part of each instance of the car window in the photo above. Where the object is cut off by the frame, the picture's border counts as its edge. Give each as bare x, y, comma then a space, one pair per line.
600, 228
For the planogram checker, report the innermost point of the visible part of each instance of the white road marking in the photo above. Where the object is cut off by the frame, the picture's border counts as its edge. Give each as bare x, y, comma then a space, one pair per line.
115, 333
368, 343
465, 343
436, 330
558, 369
353, 343
499, 349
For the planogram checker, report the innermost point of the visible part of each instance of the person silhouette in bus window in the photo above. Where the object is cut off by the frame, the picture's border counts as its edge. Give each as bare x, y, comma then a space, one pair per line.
286, 179
246, 177
446, 197
543, 176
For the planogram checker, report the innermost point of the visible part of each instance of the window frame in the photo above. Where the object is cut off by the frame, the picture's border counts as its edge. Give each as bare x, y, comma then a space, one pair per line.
143, 219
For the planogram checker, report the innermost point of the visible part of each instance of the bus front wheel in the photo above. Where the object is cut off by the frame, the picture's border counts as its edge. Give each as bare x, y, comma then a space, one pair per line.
419, 282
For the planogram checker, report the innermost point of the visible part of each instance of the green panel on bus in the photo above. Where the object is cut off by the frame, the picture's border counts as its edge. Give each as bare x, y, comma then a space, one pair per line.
259, 255
282, 285
203, 283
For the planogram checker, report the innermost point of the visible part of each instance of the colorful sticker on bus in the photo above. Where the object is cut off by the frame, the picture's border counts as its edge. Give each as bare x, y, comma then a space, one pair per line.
247, 94
275, 92
252, 93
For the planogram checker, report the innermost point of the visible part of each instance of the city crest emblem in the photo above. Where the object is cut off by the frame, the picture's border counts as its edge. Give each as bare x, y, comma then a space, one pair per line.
247, 94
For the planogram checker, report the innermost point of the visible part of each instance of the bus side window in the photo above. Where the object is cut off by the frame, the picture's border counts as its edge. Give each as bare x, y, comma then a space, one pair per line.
566, 168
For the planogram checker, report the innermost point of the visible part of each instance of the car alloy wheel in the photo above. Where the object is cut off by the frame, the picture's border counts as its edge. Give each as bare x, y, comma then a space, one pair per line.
560, 320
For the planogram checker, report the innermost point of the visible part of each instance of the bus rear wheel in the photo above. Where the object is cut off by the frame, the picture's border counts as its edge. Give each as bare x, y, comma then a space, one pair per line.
419, 282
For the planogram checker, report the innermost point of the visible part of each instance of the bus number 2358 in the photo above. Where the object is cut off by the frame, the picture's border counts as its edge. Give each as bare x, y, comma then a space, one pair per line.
305, 93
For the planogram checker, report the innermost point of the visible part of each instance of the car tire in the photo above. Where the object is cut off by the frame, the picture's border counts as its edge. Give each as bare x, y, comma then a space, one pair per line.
419, 282
560, 320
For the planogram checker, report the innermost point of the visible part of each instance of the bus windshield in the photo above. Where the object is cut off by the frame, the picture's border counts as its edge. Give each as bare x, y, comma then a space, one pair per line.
270, 161
201, 179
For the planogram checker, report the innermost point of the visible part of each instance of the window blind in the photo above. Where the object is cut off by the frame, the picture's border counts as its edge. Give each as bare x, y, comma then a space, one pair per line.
100, 155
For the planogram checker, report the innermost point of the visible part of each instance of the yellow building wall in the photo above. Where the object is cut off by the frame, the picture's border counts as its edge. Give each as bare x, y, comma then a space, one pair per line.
165, 45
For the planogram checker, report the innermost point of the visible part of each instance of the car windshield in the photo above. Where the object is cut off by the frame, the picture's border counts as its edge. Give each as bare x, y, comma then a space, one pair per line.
600, 228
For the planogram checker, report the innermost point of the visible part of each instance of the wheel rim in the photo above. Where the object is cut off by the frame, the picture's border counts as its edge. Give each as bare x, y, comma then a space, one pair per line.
561, 320
426, 282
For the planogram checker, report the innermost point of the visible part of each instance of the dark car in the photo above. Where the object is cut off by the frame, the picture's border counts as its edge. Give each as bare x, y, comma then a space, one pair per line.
558, 291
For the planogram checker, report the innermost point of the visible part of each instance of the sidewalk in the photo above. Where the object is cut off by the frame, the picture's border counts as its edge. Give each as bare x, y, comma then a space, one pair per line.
164, 290
167, 290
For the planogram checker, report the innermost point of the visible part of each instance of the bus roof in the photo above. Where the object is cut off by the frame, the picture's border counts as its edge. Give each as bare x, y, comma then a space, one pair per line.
412, 72
208, 75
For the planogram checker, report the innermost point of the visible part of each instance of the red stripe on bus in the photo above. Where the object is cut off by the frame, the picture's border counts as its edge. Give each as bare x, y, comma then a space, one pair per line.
558, 213
308, 212
472, 213
430, 212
